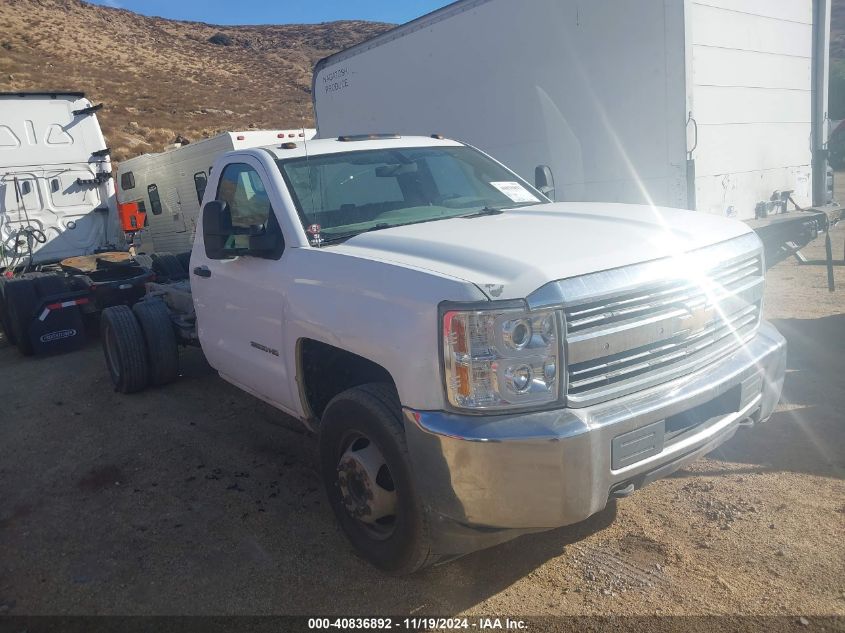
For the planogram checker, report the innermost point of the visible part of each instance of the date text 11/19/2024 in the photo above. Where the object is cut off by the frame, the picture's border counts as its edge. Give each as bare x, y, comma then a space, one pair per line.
417, 624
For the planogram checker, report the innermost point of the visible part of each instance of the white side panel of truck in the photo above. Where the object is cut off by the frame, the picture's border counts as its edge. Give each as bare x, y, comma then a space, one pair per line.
52, 203
595, 89
751, 96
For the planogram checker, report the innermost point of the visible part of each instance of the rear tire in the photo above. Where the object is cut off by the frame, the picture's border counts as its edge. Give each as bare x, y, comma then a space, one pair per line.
167, 266
20, 300
184, 260
123, 346
162, 349
4, 317
369, 417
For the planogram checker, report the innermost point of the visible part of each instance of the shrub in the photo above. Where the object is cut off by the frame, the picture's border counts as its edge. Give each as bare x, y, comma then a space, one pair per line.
221, 39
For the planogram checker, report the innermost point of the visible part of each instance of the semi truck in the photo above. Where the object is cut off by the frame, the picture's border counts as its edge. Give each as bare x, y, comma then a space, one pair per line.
62, 243
476, 361
713, 105
168, 187
56, 191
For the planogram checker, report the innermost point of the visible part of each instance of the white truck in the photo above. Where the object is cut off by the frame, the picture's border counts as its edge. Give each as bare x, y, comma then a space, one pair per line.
168, 187
713, 105
56, 191
477, 361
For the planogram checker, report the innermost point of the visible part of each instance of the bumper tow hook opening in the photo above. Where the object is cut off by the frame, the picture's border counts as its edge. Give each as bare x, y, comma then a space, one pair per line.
623, 491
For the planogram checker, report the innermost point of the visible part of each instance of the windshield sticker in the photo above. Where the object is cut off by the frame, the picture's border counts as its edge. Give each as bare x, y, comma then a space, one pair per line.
313, 231
515, 191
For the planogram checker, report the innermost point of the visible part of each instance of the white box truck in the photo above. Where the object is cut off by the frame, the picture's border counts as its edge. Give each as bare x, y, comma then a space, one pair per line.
56, 190
712, 105
168, 187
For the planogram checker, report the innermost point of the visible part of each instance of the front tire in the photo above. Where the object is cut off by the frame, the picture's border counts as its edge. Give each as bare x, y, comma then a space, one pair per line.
367, 473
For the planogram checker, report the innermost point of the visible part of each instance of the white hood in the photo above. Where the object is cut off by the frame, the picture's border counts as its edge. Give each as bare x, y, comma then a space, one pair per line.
510, 255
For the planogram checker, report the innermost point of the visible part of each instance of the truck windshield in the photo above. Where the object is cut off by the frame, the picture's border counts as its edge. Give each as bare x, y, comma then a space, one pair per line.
353, 192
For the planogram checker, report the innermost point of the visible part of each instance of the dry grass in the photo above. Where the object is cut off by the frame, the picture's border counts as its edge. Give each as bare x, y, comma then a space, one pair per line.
162, 78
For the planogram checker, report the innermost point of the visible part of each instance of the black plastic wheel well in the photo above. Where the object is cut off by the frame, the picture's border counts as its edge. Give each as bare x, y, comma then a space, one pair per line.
325, 371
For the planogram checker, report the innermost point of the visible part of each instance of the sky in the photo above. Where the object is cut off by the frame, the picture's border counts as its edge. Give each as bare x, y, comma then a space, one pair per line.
279, 11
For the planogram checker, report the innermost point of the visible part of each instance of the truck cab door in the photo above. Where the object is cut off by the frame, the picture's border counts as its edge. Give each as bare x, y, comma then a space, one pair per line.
240, 300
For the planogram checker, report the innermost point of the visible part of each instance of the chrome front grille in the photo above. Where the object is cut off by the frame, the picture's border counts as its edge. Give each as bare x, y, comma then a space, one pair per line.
635, 327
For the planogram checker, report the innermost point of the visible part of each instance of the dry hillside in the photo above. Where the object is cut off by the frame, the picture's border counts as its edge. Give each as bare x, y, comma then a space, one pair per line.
162, 78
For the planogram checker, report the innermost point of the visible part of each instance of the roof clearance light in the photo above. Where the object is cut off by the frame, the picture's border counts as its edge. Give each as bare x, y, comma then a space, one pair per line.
241, 137
288, 146
280, 135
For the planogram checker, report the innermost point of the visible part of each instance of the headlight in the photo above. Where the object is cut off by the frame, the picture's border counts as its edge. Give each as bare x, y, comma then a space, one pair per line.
501, 358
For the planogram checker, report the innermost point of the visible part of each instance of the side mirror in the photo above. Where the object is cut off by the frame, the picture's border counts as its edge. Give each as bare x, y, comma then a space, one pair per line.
216, 219
544, 181
268, 243
216, 229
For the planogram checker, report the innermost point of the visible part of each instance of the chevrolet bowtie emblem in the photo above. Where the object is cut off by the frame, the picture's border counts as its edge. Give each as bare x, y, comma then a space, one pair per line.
699, 317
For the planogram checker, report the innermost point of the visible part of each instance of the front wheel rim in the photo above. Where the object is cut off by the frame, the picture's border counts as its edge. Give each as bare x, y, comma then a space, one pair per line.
367, 488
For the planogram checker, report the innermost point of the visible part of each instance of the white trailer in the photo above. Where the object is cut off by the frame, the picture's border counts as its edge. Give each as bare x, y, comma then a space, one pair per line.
168, 187
712, 105
56, 191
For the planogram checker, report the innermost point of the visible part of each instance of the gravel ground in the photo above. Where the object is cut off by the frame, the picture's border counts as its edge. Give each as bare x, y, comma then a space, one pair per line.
198, 499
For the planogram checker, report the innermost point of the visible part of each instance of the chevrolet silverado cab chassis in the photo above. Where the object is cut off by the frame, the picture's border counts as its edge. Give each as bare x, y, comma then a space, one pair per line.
476, 361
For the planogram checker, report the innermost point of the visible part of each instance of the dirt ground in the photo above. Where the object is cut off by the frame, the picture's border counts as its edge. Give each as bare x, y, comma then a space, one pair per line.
198, 499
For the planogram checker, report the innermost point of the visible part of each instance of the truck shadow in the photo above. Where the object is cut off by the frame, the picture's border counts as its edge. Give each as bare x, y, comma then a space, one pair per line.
468, 581
806, 433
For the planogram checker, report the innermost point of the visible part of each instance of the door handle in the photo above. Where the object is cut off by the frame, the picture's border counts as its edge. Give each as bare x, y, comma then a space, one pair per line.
202, 271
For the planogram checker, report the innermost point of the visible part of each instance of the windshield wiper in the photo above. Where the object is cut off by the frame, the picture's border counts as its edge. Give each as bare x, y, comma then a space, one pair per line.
482, 212
345, 236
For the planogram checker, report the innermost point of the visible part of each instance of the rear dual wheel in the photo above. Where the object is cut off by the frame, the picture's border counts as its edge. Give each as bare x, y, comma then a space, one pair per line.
169, 267
139, 345
160, 340
123, 347
5, 326
19, 300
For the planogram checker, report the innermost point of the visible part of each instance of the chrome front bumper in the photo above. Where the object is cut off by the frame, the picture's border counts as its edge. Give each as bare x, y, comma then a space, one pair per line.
541, 470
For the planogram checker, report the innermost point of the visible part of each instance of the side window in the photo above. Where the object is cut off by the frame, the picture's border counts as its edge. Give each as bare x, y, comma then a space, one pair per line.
155, 201
200, 182
241, 187
127, 180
